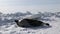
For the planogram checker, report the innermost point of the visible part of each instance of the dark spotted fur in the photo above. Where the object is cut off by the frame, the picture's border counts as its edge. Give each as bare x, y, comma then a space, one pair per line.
30, 22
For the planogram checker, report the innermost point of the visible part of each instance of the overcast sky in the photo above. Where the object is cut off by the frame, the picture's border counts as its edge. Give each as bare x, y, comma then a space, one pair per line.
19, 5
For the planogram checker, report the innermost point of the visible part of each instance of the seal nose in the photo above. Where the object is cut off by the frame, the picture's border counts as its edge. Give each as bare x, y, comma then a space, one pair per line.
16, 20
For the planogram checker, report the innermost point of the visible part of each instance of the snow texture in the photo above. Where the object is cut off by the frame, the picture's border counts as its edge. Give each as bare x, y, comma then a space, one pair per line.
8, 26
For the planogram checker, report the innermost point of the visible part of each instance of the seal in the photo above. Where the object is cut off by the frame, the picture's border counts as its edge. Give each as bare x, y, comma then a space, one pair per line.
30, 23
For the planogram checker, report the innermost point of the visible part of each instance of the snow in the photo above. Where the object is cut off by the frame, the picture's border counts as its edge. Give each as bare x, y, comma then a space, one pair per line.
8, 26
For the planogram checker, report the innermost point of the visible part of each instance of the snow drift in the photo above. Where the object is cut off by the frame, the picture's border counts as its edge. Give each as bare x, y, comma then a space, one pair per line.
8, 26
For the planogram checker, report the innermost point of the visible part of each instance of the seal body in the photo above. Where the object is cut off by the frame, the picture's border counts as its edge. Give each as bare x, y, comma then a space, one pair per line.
30, 23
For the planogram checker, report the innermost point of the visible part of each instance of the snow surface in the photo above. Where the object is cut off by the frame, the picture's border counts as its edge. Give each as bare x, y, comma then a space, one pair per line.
8, 26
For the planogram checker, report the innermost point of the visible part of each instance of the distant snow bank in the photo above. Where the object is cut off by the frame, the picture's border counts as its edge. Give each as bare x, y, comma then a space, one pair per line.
29, 15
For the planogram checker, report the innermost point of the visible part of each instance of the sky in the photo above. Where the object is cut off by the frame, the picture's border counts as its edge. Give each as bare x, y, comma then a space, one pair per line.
8, 6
